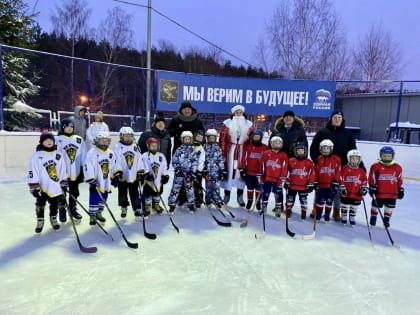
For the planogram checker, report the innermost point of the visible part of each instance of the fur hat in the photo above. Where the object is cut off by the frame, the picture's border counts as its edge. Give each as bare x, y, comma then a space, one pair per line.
289, 113
159, 117
237, 107
46, 136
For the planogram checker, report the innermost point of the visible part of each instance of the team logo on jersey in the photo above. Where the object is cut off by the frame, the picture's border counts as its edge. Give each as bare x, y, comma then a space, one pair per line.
71, 153
129, 159
155, 169
104, 168
52, 172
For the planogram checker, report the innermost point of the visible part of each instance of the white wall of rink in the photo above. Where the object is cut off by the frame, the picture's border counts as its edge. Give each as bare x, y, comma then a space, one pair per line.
16, 149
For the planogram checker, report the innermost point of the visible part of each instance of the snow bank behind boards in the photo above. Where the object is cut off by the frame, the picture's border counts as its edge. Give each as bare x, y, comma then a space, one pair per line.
16, 149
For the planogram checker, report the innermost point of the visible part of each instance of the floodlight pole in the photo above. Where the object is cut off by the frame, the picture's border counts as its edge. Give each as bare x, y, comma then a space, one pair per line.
398, 111
1, 92
149, 63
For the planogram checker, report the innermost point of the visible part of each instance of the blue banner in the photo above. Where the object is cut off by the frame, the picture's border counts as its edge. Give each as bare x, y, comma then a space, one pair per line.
213, 94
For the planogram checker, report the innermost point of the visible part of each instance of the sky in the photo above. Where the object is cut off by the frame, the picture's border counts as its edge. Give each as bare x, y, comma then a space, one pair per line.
237, 25
207, 268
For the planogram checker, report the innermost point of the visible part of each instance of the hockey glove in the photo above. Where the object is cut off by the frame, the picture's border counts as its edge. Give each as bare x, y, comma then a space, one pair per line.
149, 177
204, 172
286, 184
92, 182
242, 173
115, 181
316, 185
140, 175
372, 190
259, 179
401, 193
64, 183
35, 190
343, 190
165, 179
335, 187
223, 175
309, 188
363, 191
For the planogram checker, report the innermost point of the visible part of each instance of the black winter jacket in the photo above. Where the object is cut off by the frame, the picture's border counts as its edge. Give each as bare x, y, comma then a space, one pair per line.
164, 139
180, 123
341, 137
291, 135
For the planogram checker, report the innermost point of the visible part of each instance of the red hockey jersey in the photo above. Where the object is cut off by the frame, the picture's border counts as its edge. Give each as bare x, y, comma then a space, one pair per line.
353, 179
387, 178
274, 166
301, 173
328, 170
251, 158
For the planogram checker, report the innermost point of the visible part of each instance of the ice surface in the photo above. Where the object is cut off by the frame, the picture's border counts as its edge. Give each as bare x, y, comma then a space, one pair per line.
207, 269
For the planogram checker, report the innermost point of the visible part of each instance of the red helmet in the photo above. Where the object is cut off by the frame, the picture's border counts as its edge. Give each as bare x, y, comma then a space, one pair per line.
152, 140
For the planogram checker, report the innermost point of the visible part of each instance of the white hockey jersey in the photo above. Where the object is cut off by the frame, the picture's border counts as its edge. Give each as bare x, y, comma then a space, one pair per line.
101, 166
73, 149
129, 158
47, 169
156, 164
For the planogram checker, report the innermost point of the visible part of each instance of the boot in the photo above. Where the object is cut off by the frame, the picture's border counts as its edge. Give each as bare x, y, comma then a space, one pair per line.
92, 220
372, 220
39, 225
158, 208
100, 217
191, 208
62, 214
226, 198
240, 197
76, 215
249, 204
327, 215
336, 214
123, 212
171, 209
386, 221
54, 223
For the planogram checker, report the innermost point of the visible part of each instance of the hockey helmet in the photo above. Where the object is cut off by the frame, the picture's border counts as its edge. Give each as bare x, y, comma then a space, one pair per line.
354, 157
126, 135
67, 122
276, 143
326, 147
186, 134
211, 135
102, 140
300, 150
152, 144
386, 154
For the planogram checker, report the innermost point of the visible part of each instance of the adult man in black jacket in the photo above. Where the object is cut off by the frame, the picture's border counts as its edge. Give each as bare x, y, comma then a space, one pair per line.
343, 142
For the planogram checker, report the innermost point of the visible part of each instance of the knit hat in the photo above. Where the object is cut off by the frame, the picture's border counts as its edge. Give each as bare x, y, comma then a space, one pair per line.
337, 112
46, 136
237, 107
99, 115
289, 113
159, 117
185, 104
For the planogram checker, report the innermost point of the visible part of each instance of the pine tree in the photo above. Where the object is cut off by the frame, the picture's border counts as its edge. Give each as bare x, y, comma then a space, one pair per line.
17, 29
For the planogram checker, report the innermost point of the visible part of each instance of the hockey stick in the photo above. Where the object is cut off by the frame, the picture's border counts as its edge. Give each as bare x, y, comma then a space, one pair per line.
87, 212
261, 234
386, 228
246, 221
146, 234
367, 221
218, 195
311, 236
82, 248
290, 233
129, 244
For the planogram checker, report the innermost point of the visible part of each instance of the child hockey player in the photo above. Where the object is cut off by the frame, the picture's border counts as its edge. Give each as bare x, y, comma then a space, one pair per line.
198, 147
185, 162
46, 177
354, 180
100, 164
301, 179
129, 158
73, 149
156, 170
251, 166
214, 166
385, 184
328, 177
274, 172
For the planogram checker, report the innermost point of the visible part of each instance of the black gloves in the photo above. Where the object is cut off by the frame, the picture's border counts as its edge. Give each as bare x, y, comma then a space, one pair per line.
164, 179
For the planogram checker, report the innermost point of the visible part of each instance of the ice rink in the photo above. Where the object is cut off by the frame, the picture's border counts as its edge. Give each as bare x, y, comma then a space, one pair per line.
206, 268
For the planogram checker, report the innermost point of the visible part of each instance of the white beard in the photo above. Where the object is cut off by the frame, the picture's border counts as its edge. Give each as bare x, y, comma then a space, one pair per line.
238, 129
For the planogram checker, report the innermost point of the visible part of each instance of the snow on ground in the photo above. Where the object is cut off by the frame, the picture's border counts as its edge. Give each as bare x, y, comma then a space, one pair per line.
206, 268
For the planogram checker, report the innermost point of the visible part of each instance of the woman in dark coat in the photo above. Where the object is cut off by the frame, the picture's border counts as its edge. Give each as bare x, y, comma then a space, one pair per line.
290, 129
186, 119
159, 132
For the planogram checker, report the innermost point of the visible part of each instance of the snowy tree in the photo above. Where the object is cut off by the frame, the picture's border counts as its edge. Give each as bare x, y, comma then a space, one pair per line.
17, 29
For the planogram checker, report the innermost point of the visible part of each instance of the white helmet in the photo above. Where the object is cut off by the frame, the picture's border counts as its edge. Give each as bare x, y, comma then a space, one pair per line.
351, 162
327, 143
276, 143
101, 144
211, 132
126, 131
186, 133
276, 138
